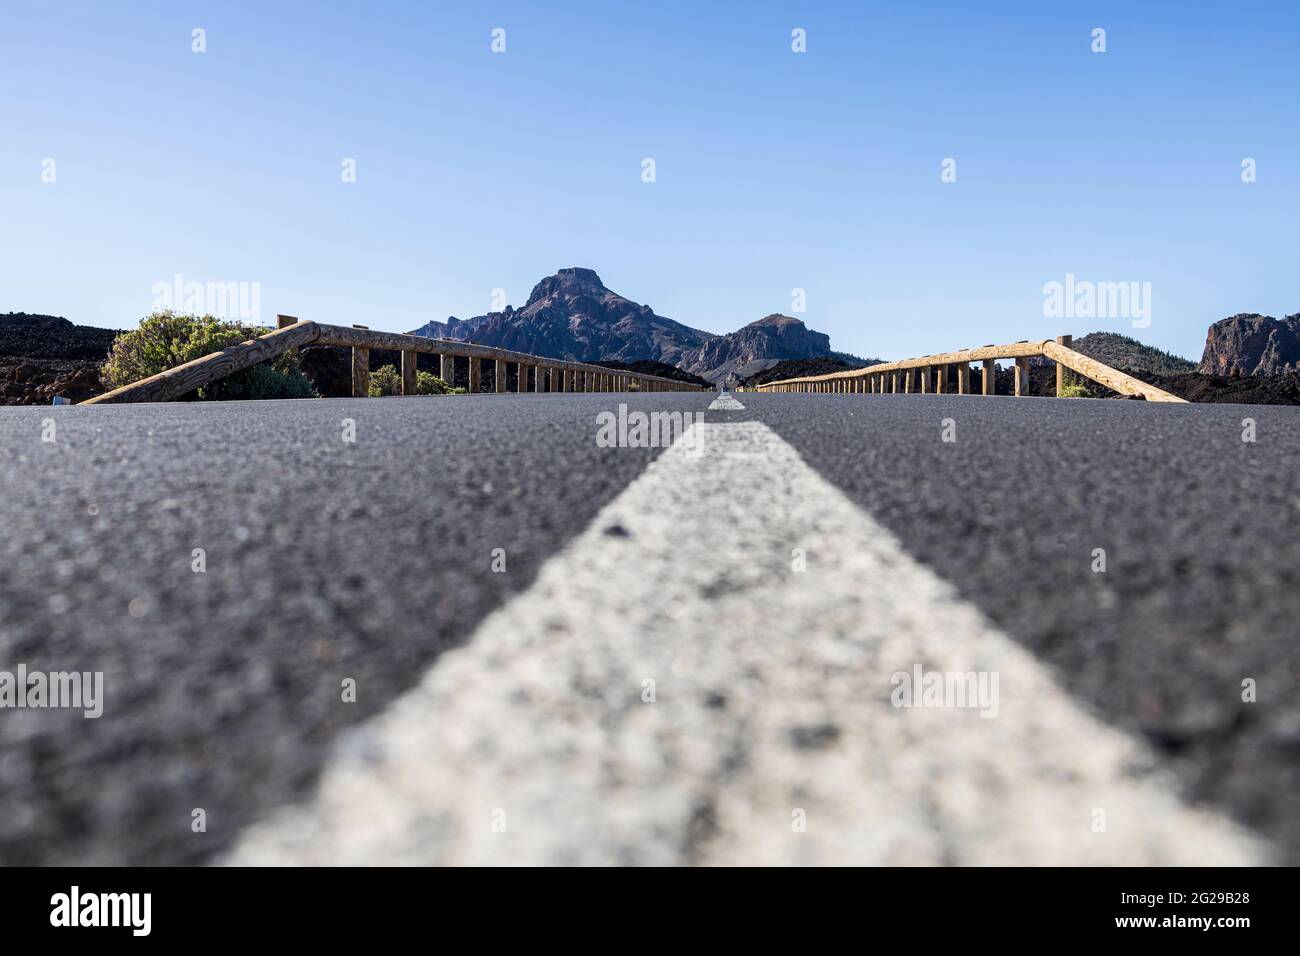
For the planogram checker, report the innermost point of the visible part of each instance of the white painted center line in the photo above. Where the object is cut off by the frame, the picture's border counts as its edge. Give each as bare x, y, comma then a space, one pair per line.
726, 402
770, 738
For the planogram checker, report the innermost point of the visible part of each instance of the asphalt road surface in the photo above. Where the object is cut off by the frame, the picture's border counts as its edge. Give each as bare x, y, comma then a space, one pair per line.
569, 653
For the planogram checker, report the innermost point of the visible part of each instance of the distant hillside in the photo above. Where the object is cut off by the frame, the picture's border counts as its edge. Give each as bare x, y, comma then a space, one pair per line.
1122, 352
52, 337
651, 367
794, 368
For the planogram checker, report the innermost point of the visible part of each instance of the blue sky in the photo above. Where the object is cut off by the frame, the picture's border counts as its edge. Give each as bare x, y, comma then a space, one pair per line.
774, 170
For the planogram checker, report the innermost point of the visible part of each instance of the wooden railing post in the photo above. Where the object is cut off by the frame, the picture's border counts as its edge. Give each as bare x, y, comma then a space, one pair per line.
360, 369
1022, 376
475, 375
940, 379
963, 378
1065, 340
990, 376
409, 359
447, 369
521, 378
499, 376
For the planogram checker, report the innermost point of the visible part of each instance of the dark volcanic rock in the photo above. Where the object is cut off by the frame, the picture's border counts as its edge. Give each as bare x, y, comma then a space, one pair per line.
36, 381
43, 356
1251, 344
51, 337
1281, 389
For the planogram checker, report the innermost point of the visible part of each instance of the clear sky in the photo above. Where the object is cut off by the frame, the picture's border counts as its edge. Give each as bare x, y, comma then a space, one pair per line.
775, 170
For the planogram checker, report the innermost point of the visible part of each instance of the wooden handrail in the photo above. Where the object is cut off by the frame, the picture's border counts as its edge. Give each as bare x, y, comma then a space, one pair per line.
885, 377
564, 375
182, 379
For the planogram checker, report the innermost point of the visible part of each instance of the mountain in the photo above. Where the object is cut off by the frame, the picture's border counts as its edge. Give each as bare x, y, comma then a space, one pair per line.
1252, 344
1120, 351
572, 315
757, 346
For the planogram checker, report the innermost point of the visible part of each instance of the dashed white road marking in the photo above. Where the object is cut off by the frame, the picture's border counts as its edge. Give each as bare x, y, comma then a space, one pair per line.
671, 690
726, 402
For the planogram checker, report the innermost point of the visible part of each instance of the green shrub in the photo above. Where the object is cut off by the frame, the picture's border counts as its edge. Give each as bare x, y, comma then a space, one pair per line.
165, 340
385, 381
1073, 390
428, 384
388, 381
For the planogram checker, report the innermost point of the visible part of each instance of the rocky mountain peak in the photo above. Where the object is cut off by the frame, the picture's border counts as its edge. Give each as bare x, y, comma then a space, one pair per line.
571, 282
776, 318
1252, 344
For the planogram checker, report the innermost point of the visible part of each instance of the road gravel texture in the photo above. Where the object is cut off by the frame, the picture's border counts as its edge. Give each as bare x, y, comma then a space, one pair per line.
328, 559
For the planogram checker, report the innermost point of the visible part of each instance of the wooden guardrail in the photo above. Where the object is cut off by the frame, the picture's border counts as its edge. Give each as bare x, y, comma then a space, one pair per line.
930, 373
549, 375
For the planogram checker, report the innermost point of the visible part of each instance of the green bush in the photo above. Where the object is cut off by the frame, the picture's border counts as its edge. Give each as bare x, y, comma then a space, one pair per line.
386, 380
1073, 390
166, 339
429, 384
